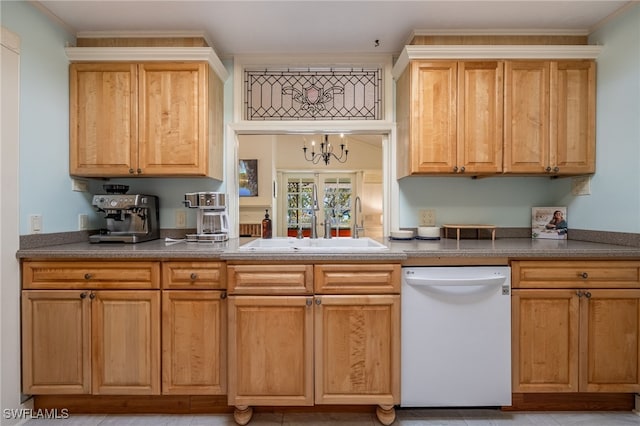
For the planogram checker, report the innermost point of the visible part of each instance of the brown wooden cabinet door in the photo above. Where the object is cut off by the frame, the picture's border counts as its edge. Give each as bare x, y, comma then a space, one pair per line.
545, 336
610, 341
433, 133
125, 328
194, 343
357, 349
173, 117
103, 130
527, 116
56, 342
480, 117
573, 97
270, 350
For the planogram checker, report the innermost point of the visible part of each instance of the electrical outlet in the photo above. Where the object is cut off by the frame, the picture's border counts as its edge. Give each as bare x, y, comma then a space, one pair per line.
181, 219
83, 222
35, 223
427, 217
581, 185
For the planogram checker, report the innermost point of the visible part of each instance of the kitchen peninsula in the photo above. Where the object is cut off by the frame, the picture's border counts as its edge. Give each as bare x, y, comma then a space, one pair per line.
169, 288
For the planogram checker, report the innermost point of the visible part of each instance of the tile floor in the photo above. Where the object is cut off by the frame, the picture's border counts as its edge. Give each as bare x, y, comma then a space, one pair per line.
404, 417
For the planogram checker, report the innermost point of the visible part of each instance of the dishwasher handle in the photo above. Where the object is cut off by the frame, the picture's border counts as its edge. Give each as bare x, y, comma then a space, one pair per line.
425, 281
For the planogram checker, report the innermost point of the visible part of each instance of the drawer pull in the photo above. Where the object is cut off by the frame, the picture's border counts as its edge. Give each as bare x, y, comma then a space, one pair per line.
309, 302
83, 295
588, 295
578, 293
584, 275
194, 276
92, 296
87, 276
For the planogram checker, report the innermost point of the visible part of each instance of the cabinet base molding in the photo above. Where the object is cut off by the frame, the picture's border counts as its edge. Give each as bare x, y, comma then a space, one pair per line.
171, 404
133, 404
571, 402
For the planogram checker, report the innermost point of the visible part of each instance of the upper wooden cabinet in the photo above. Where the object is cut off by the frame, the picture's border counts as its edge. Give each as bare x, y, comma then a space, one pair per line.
550, 117
450, 116
145, 119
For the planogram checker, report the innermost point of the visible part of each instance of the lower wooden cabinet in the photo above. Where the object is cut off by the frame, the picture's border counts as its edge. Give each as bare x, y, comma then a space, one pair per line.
287, 349
584, 339
86, 341
194, 335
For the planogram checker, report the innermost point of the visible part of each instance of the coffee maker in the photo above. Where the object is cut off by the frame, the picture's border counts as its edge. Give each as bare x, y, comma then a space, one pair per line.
130, 218
213, 221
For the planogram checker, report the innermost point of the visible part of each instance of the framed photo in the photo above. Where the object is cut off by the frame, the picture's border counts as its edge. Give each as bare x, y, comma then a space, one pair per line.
248, 178
549, 223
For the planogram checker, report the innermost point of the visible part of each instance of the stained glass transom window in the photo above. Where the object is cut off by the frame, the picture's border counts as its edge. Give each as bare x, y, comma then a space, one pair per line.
313, 94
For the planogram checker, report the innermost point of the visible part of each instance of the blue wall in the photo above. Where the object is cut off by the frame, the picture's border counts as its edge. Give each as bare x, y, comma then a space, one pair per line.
45, 185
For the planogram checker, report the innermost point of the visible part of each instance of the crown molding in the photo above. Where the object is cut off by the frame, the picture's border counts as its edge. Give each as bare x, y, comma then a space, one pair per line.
144, 34
138, 54
483, 52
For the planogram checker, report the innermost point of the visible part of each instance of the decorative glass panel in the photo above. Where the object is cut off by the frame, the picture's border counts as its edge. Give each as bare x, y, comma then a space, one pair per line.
313, 94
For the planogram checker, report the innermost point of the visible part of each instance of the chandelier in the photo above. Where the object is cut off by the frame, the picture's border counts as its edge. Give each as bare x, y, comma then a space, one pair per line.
326, 151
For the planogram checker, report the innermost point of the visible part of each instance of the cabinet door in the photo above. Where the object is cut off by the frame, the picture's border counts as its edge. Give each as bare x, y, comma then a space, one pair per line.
56, 339
270, 350
433, 116
545, 333
103, 112
610, 341
526, 136
357, 349
573, 97
480, 117
125, 328
173, 138
194, 343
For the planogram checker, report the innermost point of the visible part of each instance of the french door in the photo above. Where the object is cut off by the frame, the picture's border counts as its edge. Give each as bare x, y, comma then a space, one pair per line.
335, 197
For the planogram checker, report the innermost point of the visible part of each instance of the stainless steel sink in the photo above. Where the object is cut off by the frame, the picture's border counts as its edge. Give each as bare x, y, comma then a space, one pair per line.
340, 244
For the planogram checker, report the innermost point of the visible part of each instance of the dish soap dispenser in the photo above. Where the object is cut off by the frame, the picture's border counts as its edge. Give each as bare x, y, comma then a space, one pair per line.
266, 225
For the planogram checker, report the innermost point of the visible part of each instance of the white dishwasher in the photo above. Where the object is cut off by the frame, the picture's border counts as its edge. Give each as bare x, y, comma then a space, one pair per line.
456, 336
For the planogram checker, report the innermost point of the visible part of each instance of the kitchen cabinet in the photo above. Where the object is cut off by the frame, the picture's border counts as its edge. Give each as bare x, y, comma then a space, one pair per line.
194, 325
87, 335
302, 340
550, 117
576, 326
145, 119
450, 117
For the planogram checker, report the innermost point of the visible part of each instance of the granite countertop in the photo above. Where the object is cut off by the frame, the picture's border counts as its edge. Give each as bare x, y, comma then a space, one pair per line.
398, 250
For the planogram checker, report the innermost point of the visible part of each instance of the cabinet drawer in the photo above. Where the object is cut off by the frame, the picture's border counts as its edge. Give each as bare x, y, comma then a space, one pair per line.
94, 275
270, 279
575, 274
193, 275
357, 279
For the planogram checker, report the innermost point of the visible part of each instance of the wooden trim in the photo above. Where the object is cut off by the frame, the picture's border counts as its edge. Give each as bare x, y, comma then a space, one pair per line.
135, 404
571, 402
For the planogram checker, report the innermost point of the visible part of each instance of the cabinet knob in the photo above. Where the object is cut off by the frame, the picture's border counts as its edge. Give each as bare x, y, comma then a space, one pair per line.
455, 169
578, 293
139, 171
584, 275
83, 295
194, 276
87, 276
131, 171
318, 301
462, 169
92, 296
548, 169
223, 295
556, 169
588, 295
309, 302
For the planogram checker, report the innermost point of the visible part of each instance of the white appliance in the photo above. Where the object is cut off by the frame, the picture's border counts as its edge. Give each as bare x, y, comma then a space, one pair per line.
456, 336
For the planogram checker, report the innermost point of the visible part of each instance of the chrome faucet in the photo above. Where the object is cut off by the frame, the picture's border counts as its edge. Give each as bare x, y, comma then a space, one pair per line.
357, 208
314, 209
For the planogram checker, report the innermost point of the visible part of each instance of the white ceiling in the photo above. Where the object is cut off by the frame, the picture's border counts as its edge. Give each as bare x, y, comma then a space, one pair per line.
241, 27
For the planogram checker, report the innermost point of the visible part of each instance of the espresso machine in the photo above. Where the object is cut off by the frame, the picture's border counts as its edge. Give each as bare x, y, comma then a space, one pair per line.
130, 218
212, 221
